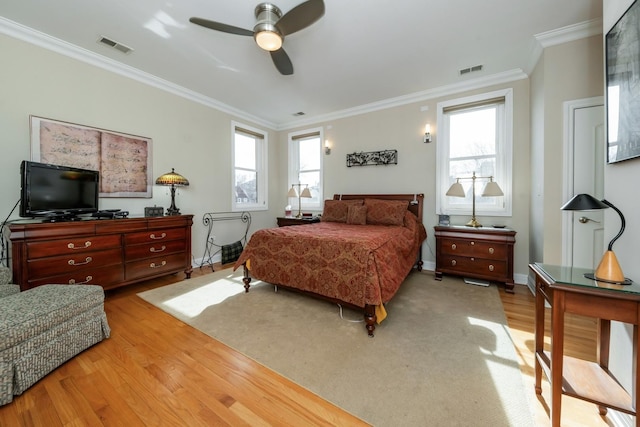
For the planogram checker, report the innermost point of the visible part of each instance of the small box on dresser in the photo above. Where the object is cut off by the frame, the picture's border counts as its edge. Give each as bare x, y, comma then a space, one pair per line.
480, 253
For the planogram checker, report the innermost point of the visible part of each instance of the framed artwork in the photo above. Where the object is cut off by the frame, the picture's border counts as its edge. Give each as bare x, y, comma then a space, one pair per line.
623, 86
124, 161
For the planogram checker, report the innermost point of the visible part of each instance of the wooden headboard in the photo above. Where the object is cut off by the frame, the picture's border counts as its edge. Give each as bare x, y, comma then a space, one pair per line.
415, 200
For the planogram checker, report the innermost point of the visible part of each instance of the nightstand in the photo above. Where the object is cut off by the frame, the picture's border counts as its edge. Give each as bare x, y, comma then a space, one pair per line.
284, 221
480, 253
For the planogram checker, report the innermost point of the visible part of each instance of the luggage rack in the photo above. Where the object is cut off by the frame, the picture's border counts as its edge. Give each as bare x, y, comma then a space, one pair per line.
211, 247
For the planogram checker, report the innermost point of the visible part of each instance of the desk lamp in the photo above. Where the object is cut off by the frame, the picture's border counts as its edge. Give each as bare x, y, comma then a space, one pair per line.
608, 270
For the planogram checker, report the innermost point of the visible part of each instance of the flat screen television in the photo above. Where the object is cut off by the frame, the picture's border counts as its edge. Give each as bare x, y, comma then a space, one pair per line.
57, 191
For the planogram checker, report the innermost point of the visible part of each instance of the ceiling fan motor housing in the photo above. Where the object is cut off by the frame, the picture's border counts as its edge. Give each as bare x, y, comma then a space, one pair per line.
267, 15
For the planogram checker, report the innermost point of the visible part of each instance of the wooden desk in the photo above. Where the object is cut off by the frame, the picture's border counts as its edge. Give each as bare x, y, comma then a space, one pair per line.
568, 291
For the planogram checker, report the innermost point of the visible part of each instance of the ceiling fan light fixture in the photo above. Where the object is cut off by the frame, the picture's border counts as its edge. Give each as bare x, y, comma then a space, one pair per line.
268, 40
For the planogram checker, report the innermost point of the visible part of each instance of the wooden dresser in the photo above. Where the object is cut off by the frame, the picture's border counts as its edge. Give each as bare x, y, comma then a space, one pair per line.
480, 253
106, 252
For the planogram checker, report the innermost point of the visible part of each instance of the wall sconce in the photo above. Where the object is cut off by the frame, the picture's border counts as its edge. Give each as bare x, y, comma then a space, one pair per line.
304, 193
608, 270
492, 189
427, 133
327, 148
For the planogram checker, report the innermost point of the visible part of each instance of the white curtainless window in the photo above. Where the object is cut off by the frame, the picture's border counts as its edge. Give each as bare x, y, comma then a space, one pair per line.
249, 172
475, 136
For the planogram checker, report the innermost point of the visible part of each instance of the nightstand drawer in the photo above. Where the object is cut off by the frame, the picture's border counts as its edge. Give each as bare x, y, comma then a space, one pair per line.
473, 265
473, 248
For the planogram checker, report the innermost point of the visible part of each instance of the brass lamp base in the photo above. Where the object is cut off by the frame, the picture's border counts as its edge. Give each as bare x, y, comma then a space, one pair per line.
473, 223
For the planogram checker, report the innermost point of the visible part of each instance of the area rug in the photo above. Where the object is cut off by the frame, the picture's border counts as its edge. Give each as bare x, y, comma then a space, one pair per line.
443, 356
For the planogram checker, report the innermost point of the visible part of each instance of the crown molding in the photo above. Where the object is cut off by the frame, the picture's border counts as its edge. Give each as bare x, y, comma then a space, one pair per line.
438, 92
570, 33
45, 41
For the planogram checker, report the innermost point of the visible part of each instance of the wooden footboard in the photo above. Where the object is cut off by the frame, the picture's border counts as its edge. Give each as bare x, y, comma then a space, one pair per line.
369, 311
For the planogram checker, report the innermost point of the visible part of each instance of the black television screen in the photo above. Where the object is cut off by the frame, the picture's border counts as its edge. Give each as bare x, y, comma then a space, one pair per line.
55, 190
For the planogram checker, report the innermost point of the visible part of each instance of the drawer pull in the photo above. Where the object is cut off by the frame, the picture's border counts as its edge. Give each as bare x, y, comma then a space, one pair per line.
491, 267
87, 260
453, 262
473, 259
491, 251
453, 246
162, 264
473, 243
154, 237
86, 245
86, 280
157, 250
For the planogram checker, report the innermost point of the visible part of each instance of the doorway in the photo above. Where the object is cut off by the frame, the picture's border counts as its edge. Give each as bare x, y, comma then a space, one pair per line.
584, 158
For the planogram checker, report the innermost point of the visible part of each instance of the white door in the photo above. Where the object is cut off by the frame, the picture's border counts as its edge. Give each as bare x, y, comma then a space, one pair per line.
586, 228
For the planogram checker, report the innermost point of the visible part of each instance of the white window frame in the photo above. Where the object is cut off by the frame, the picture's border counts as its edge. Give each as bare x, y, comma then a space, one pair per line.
262, 172
504, 158
294, 167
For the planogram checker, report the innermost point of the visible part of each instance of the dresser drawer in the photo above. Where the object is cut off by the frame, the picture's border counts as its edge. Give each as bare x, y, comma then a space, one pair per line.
473, 248
149, 250
473, 265
72, 245
154, 236
107, 277
154, 266
45, 267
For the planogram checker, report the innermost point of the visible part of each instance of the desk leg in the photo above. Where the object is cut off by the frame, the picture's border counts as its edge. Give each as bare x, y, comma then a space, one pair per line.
557, 355
636, 357
539, 336
604, 340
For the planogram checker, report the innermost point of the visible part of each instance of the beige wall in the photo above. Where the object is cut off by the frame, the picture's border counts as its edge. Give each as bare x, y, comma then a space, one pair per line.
402, 128
565, 72
190, 137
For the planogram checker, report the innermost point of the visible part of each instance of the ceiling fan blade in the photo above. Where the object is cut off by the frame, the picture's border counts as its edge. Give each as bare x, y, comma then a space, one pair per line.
218, 26
301, 16
282, 62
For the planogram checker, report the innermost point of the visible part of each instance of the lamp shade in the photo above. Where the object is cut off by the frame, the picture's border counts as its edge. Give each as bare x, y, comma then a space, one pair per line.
492, 189
292, 192
306, 193
456, 190
583, 202
172, 178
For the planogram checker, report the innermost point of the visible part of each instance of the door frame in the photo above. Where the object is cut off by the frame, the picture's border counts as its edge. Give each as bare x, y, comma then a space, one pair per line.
568, 144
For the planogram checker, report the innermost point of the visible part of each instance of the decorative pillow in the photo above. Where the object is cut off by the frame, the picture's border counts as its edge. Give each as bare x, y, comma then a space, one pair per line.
336, 210
231, 253
386, 212
357, 215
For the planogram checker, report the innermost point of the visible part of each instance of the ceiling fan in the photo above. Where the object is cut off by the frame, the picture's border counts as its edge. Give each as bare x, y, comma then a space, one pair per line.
272, 27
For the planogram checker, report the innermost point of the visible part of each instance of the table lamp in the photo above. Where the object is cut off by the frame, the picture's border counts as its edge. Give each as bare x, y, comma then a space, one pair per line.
172, 179
608, 270
299, 194
492, 189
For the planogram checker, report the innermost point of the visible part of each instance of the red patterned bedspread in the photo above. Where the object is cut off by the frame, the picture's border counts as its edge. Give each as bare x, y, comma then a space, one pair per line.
357, 264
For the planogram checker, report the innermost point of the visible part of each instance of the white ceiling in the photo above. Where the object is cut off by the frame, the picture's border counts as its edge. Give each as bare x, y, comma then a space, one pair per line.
360, 54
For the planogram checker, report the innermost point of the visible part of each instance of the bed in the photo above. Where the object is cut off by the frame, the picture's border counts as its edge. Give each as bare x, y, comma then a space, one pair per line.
357, 256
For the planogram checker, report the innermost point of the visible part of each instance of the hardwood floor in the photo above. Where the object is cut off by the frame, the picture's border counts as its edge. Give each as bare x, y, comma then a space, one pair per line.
155, 370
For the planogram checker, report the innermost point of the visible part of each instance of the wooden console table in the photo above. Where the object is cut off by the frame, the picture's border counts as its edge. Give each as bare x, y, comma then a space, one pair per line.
568, 291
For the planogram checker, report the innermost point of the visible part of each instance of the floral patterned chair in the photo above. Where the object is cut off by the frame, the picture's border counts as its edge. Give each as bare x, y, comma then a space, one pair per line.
42, 328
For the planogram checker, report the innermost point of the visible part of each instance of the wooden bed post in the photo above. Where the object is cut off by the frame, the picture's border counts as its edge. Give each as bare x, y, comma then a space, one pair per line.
246, 279
370, 318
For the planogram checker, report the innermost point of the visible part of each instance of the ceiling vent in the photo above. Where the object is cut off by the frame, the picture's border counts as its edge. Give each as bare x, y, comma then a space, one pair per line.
118, 46
470, 70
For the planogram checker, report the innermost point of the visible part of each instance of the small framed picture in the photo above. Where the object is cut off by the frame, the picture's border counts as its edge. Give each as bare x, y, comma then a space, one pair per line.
443, 219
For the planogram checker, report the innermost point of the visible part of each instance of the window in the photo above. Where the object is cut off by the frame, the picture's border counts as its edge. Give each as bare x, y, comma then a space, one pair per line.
475, 135
249, 160
305, 166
